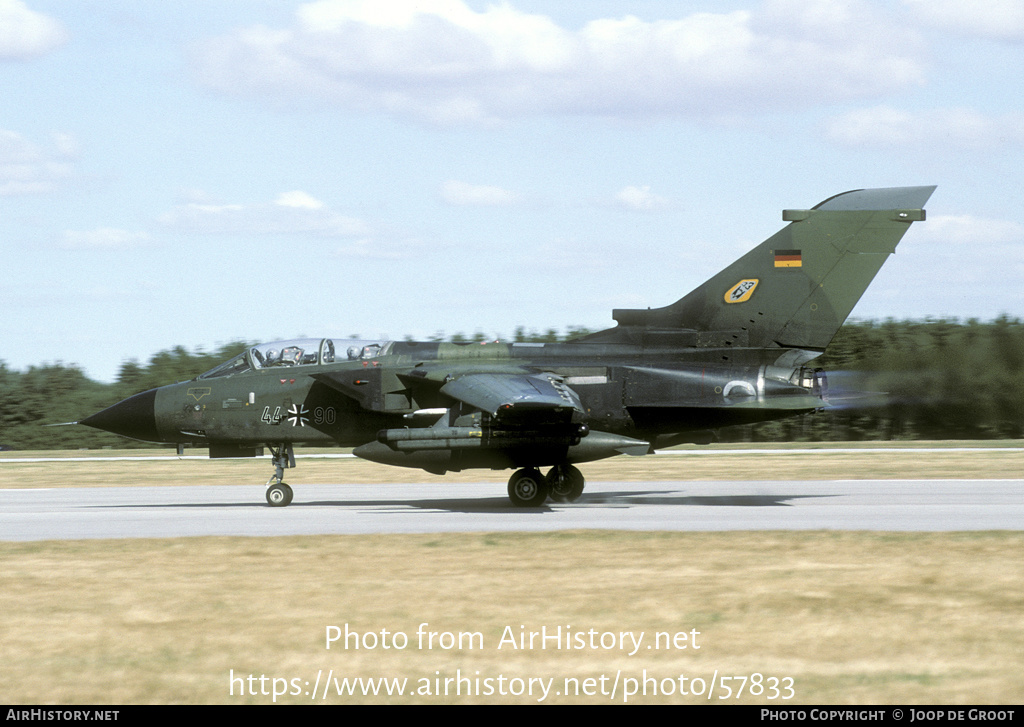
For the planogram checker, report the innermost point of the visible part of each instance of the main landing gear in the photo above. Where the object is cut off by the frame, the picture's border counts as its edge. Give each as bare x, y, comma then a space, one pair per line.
529, 488
278, 493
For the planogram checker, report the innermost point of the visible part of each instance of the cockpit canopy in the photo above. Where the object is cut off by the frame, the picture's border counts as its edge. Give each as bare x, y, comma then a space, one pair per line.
301, 352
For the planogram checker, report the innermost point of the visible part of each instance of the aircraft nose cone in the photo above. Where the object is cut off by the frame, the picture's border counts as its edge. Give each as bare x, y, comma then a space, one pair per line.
135, 418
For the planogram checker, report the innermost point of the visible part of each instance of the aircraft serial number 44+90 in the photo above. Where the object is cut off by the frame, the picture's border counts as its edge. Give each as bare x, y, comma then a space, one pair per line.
734, 351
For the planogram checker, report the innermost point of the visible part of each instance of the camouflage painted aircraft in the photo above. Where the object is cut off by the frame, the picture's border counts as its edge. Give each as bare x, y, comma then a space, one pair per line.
734, 351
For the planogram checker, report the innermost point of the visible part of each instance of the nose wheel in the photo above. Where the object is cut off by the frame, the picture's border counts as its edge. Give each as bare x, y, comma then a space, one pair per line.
279, 495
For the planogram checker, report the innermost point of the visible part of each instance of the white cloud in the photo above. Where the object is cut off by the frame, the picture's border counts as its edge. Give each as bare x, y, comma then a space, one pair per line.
28, 168
442, 61
299, 200
290, 213
641, 199
958, 128
476, 195
994, 19
103, 238
25, 33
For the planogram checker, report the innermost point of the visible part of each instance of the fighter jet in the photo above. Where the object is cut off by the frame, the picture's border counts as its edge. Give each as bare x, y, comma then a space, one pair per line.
738, 349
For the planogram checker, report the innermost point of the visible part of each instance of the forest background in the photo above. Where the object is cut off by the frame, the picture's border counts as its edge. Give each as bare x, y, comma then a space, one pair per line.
943, 379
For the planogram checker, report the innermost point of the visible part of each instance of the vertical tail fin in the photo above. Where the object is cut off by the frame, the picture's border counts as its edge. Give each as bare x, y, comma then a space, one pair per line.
796, 288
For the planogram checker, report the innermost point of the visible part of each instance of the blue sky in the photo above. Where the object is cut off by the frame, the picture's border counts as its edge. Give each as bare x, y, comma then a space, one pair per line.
201, 171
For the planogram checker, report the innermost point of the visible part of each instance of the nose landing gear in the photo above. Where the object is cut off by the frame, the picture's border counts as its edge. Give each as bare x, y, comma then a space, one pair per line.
278, 493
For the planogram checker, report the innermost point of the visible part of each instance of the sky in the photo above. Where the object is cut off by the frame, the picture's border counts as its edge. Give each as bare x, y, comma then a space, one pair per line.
197, 172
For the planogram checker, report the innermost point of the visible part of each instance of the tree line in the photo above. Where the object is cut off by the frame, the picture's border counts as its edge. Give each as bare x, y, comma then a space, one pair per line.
941, 379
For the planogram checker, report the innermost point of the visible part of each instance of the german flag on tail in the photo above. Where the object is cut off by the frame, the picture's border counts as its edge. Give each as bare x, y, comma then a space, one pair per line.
788, 259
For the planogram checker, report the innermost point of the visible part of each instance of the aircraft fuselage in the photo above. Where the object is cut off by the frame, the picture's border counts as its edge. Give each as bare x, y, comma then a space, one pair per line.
631, 392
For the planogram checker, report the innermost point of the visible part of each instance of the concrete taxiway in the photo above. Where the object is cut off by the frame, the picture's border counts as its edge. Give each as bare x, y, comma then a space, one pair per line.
146, 512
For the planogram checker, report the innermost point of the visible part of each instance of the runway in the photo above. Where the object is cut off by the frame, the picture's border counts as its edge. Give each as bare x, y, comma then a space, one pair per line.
158, 512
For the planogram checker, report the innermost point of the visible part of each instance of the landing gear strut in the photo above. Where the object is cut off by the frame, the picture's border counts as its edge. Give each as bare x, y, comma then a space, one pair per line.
278, 493
529, 488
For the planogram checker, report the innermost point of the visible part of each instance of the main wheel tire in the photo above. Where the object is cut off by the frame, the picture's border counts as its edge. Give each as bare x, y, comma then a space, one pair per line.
566, 483
279, 495
528, 488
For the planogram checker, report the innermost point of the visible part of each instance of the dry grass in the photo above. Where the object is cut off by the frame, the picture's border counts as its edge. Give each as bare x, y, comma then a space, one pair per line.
851, 617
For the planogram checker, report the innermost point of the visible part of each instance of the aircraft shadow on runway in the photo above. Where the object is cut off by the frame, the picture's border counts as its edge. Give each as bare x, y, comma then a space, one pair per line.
500, 505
